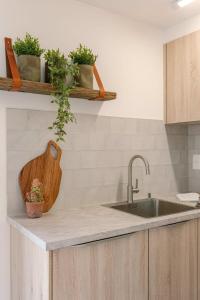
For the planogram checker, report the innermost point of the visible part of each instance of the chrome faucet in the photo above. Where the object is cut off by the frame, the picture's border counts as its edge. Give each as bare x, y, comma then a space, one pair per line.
130, 189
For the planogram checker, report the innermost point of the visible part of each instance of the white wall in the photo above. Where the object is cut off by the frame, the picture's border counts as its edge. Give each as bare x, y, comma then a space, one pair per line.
130, 53
130, 63
190, 25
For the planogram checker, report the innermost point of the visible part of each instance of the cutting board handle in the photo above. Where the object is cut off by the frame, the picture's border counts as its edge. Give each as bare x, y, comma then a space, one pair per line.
56, 147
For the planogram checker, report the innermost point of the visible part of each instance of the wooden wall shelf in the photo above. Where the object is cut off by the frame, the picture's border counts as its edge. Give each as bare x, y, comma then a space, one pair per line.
47, 89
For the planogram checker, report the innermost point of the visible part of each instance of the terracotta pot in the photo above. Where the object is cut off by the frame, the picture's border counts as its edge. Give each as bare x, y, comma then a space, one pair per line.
34, 209
85, 78
29, 67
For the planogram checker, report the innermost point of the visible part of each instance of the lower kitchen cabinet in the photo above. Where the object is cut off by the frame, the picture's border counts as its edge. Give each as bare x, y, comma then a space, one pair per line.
173, 261
112, 269
156, 264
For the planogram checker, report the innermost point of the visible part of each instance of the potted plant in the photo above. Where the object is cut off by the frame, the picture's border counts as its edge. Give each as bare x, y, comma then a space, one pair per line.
85, 59
70, 69
61, 74
35, 200
28, 53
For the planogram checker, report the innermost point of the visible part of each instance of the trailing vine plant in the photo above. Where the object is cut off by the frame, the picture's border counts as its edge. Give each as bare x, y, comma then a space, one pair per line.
59, 69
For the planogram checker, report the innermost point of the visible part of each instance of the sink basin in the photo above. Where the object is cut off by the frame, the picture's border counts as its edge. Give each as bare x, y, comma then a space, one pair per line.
150, 208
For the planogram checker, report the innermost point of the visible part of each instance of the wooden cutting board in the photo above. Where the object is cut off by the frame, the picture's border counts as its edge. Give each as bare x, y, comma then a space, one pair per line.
46, 168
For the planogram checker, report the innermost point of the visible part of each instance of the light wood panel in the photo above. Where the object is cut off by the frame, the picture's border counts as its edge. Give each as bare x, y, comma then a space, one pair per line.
183, 79
178, 59
46, 89
173, 262
113, 269
165, 82
194, 102
30, 269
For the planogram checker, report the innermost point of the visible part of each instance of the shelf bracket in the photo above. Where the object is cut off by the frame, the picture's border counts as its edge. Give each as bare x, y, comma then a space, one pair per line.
100, 83
11, 65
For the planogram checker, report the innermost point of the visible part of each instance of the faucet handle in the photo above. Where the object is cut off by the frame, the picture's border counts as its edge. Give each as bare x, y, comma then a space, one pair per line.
136, 189
136, 183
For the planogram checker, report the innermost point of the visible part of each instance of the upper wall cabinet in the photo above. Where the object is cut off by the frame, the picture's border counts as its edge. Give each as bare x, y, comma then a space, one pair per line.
183, 79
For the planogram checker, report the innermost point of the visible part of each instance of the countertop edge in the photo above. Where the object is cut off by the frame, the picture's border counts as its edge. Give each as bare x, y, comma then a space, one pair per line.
51, 246
55, 245
27, 233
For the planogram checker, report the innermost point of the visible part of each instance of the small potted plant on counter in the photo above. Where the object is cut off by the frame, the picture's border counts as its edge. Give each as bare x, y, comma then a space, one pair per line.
28, 53
35, 200
61, 72
85, 59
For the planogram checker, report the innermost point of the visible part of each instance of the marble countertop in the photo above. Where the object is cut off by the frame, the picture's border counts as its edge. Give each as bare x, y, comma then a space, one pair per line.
60, 229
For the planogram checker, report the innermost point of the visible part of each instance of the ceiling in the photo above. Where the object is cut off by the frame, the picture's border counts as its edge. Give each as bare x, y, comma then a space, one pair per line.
162, 13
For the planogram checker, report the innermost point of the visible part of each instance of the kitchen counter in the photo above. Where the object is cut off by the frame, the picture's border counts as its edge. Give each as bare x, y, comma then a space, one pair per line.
60, 229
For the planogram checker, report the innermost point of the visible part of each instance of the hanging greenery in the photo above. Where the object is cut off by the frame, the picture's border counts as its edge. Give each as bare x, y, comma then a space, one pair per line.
60, 68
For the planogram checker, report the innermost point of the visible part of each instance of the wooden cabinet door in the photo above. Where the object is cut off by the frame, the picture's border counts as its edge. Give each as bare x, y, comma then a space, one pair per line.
173, 262
183, 79
112, 269
178, 85
194, 102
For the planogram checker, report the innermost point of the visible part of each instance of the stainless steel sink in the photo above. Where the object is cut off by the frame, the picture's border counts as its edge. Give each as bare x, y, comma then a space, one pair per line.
150, 208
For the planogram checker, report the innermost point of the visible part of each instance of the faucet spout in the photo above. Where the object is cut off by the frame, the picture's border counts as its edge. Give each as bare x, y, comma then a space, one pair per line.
130, 189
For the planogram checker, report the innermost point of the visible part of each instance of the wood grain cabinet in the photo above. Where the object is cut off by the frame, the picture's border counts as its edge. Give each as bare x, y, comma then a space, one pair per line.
156, 264
173, 262
183, 79
112, 269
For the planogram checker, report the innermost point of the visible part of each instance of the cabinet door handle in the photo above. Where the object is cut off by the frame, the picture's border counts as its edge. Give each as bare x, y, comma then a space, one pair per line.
98, 241
105, 239
174, 224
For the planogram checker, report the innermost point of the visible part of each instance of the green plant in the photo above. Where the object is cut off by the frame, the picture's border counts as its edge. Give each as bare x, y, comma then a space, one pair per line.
83, 56
59, 68
36, 193
28, 46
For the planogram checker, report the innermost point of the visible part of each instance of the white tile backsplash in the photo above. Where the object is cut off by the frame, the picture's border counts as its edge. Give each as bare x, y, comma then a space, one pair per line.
96, 155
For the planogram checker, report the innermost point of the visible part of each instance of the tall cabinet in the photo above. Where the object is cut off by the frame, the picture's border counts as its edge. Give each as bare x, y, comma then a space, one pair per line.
182, 58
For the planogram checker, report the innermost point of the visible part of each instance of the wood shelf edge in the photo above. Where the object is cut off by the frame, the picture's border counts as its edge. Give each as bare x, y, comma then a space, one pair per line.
47, 89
